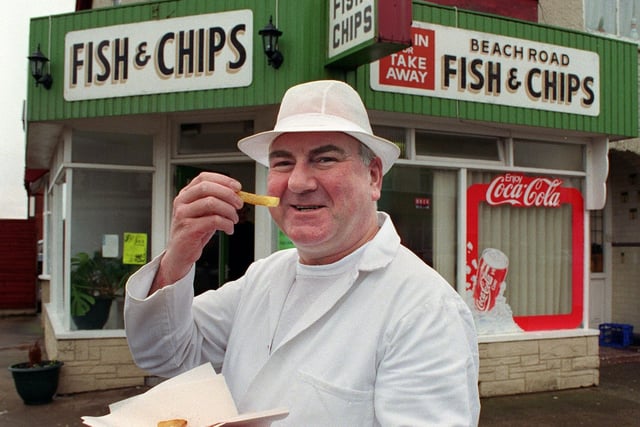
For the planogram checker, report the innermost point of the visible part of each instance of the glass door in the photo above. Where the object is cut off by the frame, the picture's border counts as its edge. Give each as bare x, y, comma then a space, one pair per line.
225, 257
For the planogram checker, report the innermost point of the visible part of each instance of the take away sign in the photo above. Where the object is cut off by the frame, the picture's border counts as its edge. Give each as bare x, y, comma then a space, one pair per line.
446, 62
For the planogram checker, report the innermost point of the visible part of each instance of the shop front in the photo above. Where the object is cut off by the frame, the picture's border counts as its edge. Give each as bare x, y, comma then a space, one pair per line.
503, 127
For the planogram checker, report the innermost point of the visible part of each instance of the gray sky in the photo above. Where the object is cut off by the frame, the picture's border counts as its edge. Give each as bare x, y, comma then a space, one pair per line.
14, 31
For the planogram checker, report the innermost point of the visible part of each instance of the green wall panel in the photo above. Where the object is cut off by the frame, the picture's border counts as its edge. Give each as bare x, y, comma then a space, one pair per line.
618, 78
304, 47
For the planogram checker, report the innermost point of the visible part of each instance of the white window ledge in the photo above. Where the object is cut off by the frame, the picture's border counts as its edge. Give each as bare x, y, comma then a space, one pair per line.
61, 333
539, 335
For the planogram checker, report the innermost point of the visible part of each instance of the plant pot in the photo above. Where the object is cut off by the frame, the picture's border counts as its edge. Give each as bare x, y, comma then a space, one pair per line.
97, 315
36, 384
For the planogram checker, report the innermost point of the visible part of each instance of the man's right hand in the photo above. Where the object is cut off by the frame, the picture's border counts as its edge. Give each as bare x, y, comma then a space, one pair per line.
207, 204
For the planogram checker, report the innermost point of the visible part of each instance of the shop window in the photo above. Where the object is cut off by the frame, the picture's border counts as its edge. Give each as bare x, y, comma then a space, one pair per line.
112, 148
535, 224
457, 146
212, 138
546, 155
110, 223
615, 17
422, 205
394, 134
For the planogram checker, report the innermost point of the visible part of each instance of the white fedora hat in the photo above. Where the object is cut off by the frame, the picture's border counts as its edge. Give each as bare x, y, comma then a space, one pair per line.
321, 106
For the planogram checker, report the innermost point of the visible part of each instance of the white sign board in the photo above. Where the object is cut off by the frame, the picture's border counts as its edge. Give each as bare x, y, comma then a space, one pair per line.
198, 52
446, 62
351, 23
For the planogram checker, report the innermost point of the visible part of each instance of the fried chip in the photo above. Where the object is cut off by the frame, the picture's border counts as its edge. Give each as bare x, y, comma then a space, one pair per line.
178, 422
255, 199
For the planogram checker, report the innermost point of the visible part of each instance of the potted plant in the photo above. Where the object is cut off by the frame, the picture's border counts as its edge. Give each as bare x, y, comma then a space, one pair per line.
36, 381
95, 282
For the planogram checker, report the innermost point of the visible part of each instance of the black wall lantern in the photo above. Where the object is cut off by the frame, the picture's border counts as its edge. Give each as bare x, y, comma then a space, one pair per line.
38, 63
270, 35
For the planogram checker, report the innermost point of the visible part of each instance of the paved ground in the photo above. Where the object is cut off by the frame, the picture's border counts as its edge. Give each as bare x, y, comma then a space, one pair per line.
17, 333
615, 402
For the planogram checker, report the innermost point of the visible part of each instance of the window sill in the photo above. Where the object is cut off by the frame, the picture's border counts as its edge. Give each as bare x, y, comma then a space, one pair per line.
539, 335
62, 333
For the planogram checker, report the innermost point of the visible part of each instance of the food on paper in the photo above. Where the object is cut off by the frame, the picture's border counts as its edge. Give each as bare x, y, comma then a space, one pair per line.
255, 199
178, 422
199, 397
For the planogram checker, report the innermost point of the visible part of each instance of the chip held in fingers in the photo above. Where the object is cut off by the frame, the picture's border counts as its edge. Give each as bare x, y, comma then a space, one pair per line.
178, 422
255, 199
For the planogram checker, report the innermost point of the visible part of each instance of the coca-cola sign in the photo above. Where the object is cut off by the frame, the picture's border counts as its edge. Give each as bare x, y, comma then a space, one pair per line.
517, 191
523, 191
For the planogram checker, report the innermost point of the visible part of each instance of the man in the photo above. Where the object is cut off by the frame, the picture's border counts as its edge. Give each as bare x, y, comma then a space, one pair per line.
349, 328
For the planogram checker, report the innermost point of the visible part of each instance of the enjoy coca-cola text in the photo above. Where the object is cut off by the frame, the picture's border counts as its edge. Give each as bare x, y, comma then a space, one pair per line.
522, 191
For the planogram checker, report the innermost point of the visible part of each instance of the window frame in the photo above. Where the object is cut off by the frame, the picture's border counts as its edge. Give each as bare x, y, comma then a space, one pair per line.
576, 317
633, 37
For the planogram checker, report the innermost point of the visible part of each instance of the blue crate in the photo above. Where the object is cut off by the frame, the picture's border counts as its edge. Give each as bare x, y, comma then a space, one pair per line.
618, 335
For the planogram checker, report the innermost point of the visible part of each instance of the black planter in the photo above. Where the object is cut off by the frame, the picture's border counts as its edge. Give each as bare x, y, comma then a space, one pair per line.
36, 384
97, 315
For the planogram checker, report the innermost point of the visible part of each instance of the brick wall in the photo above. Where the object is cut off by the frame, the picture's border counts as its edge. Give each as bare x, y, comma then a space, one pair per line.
625, 291
624, 177
565, 13
520, 9
625, 198
529, 366
18, 264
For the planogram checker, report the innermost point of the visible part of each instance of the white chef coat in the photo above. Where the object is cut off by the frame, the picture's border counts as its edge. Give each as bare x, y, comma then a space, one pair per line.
395, 345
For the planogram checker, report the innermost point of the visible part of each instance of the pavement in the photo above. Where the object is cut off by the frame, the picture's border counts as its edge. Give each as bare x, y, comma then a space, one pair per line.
615, 402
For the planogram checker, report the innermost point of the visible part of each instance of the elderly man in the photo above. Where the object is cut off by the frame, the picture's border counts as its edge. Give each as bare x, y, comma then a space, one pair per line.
348, 328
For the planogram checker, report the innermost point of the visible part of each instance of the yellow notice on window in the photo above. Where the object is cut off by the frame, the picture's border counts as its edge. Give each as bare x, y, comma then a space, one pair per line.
134, 250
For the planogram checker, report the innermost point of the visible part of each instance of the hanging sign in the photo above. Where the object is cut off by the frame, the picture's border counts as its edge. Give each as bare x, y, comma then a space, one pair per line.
361, 31
170, 55
445, 62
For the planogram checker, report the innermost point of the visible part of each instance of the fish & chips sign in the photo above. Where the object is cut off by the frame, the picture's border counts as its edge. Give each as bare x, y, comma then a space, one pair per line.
447, 62
172, 55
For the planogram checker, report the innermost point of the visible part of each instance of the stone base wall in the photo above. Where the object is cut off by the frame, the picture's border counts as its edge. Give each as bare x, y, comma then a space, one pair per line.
93, 364
506, 367
529, 366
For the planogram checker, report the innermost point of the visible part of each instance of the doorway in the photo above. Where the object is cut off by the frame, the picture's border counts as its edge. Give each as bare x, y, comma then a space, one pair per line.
224, 257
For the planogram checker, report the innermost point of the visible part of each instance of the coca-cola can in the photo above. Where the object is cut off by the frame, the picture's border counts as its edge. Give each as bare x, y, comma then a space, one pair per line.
492, 270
